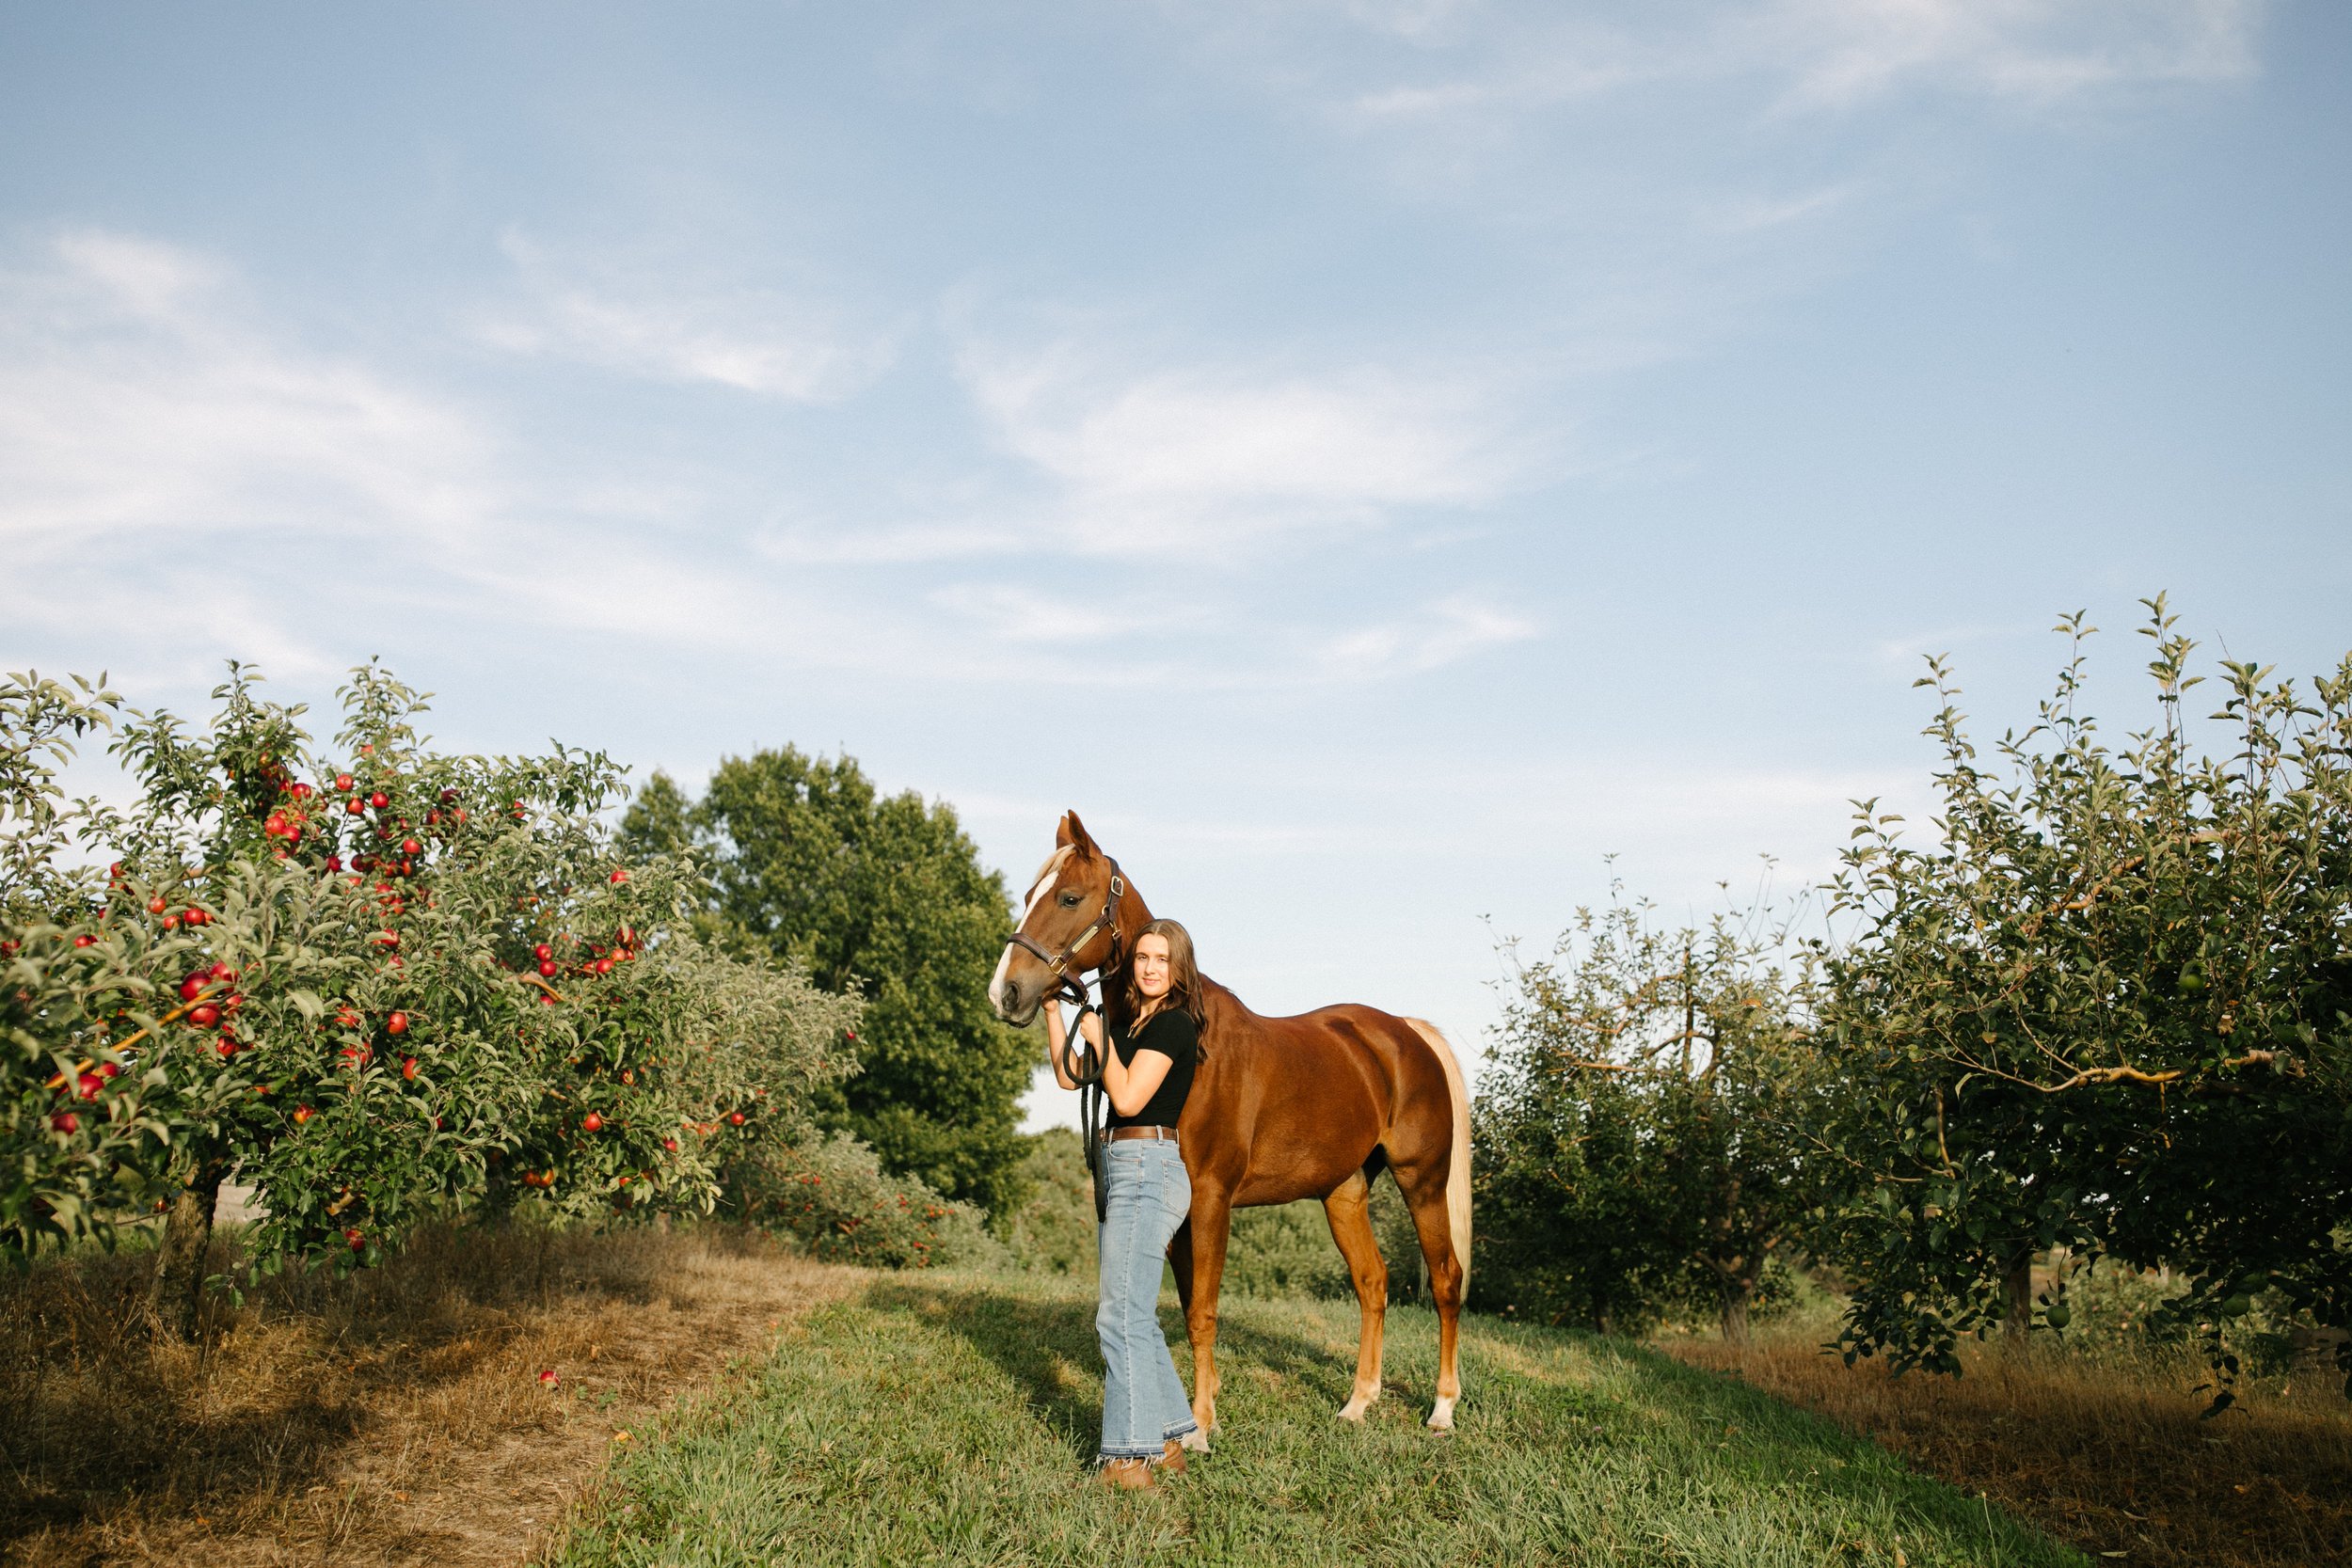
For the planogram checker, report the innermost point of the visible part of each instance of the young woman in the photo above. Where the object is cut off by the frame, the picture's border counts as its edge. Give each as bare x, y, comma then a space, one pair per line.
1146, 1076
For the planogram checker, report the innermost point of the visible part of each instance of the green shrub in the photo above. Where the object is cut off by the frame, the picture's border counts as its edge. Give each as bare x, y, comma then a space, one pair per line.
1052, 1232
833, 1196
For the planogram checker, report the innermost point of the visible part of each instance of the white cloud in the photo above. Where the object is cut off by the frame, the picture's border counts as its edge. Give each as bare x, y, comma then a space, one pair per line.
1843, 52
170, 454
135, 395
1451, 629
1432, 63
1028, 615
1209, 457
754, 340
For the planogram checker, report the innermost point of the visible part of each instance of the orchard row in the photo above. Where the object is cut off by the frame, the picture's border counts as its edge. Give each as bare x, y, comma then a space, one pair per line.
396, 985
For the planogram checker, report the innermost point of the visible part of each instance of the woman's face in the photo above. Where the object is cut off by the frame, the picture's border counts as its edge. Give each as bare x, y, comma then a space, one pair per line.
1152, 967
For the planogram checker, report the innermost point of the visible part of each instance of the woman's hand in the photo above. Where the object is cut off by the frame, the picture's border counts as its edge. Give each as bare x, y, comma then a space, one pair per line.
1057, 1033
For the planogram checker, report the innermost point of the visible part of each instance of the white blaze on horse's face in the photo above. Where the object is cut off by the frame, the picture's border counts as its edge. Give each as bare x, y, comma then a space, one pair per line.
1047, 876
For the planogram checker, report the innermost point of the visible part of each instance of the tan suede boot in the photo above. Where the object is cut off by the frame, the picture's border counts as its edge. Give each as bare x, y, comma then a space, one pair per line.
1127, 1475
1173, 1462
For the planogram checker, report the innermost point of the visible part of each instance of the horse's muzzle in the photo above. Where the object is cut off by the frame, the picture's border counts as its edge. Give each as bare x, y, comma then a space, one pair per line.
1016, 1005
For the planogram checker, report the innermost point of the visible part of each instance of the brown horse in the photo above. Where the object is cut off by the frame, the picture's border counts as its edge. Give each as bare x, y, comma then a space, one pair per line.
1281, 1109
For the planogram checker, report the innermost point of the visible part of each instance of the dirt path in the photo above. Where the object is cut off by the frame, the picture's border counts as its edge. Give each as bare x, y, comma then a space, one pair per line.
403, 1421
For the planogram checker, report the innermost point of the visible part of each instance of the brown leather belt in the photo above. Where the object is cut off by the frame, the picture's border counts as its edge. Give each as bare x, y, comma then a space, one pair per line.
1166, 1134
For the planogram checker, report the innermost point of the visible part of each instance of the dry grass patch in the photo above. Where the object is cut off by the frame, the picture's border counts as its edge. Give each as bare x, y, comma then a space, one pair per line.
394, 1417
2109, 1455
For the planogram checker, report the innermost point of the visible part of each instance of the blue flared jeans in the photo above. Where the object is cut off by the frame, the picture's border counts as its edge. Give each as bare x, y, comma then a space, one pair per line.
1143, 1399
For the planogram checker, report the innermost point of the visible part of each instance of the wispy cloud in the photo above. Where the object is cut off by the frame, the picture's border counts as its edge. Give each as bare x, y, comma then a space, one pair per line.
756, 341
170, 453
1465, 65
1441, 633
137, 393
170, 450
1209, 456
1842, 52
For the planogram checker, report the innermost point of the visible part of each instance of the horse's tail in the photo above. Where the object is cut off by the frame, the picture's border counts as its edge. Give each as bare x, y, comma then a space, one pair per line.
1457, 1176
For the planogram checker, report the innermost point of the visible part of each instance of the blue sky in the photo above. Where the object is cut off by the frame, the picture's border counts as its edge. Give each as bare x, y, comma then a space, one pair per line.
1375, 460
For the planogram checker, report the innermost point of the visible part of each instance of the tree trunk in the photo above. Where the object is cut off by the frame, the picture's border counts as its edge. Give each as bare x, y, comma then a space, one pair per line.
175, 1300
1736, 1294
2017, 1291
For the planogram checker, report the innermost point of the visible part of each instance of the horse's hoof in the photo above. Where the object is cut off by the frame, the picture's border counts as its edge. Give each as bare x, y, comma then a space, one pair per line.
1354, 1410
1441, 1418
1197, 1440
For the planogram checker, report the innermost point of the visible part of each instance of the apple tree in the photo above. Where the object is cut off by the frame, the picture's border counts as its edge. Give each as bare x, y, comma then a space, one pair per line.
1639, 1130
2107, 1005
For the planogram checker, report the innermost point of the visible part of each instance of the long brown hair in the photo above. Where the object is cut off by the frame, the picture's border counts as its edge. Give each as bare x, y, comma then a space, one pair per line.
1184, 975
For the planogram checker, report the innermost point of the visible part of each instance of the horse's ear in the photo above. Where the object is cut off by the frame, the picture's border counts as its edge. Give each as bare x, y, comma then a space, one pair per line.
1072, 834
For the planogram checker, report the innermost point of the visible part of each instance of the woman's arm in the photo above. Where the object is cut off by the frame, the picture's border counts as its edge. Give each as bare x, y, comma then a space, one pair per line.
1090, 1027
1131, 1088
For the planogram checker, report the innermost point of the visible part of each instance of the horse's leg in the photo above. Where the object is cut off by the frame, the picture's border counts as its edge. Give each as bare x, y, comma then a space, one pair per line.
1425, 1192
1211, 1218
1350, 1213
1180, 1263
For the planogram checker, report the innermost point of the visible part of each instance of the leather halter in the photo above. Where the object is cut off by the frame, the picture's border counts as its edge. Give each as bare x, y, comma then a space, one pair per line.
1058, 965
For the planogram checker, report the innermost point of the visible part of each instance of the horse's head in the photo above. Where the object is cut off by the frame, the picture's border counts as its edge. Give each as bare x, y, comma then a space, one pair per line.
1069, 924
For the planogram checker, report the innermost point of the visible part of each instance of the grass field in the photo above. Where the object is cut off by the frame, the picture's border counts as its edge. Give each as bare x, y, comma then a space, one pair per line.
944, 1419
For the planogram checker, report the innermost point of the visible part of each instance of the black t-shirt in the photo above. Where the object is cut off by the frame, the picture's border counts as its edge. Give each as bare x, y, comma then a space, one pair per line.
1174, 1035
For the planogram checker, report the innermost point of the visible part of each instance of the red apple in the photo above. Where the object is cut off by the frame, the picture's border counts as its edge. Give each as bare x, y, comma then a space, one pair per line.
619, 877
303, 1114
379, 799
343, 781
65, 1121
396, 1024
410, 847
204, 1015
409, 1069
592, 1122
670, 1144
354, 806
358, 1239
84, 939
87, 1086
155, 906
735, 1119
191, 987
543, 952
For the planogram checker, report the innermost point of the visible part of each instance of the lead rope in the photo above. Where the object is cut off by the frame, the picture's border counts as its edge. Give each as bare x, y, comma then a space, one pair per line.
1083, 1064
